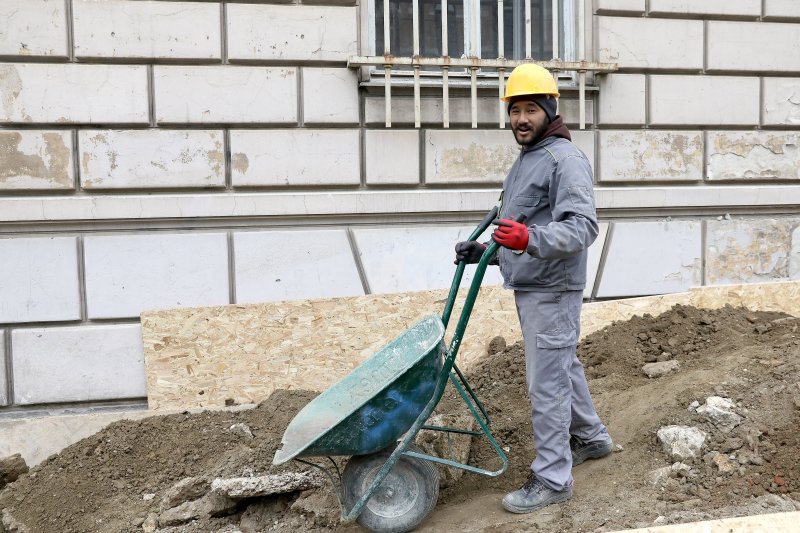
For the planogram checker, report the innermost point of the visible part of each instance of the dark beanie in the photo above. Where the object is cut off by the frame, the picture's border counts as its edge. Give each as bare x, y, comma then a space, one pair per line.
548, 103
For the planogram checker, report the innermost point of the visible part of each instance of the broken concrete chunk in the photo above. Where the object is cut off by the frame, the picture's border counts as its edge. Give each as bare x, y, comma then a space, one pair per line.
150, 524
661, 368
185, 490
680, 469
719, 411
210, 505
254, 487
11, 468
659, 475
681, 443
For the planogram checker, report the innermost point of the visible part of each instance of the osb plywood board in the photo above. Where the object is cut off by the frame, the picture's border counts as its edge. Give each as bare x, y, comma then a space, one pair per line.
201, 357
780, 296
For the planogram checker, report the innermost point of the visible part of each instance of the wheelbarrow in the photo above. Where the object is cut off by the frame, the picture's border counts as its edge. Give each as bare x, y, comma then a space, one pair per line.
374, 413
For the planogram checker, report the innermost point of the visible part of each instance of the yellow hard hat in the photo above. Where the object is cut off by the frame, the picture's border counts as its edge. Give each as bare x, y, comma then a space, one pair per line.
530, 78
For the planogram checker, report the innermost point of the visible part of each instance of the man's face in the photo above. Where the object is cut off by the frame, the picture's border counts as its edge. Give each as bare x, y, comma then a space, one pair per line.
528, 122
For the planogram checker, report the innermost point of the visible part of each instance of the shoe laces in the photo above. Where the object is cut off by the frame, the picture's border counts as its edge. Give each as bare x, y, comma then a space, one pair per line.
533, 484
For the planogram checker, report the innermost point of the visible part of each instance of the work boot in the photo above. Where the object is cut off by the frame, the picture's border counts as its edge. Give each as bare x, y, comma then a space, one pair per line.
534, 495
583, 450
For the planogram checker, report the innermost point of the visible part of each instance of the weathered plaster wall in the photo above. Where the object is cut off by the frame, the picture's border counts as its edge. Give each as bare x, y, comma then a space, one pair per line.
179, 153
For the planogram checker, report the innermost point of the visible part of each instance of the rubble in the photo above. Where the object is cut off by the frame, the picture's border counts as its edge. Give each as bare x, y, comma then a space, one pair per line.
723, 463
681, 443
719, 411
661, 368
145, 474
209, 505
253, 487
659, 476
11, 468
185, 490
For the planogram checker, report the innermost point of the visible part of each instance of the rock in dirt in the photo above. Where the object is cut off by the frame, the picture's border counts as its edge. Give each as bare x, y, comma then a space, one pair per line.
661, 368
11, 468
681, 443
150, 523
185, 490
210, 505
9, 524
254, 487
723, 463
719, 411
243, 430
659, 475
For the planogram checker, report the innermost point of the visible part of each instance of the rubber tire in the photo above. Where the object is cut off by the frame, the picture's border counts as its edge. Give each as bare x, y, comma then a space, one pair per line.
415, 489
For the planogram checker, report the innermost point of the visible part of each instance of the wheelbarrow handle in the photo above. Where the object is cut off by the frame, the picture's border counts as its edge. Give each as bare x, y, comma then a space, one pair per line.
491, 249
520, 218
485, 223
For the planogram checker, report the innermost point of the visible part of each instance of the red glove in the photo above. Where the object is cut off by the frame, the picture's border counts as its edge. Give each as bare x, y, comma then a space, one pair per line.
511, 234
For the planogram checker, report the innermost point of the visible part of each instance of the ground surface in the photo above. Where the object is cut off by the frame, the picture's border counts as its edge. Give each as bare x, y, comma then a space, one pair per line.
120, 479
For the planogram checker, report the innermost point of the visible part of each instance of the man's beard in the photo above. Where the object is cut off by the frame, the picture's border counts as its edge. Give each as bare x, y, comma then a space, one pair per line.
538, 131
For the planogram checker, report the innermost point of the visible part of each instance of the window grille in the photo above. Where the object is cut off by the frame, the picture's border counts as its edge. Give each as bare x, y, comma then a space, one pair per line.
476, 38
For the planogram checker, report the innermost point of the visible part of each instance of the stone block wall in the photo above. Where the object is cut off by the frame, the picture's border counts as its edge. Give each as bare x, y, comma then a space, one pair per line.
173, 153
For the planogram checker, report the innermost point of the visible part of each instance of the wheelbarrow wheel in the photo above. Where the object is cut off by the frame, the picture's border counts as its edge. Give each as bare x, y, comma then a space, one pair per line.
402, 501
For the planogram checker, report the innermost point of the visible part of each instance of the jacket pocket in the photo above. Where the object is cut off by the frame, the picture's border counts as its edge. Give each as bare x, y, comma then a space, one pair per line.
527, 201
557, 339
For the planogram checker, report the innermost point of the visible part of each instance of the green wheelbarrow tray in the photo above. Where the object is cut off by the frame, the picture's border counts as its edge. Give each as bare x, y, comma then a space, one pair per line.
374, 413
373, 405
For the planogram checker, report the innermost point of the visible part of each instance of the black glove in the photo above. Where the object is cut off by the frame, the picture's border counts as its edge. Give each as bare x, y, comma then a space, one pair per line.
469, 252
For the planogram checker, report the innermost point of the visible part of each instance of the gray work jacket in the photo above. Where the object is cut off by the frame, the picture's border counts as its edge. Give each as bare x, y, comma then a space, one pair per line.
551, 184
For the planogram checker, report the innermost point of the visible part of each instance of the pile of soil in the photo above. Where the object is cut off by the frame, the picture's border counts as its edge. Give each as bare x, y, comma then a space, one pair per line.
119, 479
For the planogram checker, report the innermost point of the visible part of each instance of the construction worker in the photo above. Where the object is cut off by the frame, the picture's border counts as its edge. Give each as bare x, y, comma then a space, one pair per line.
543, 260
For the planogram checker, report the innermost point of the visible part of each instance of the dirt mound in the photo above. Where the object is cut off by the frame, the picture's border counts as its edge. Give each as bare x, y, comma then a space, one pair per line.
109, 481
123, 478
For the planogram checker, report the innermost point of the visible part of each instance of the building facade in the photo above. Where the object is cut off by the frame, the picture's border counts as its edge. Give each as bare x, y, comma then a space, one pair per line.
158, 154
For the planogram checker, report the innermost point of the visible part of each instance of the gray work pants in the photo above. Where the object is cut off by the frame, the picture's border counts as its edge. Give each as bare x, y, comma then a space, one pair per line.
557, 386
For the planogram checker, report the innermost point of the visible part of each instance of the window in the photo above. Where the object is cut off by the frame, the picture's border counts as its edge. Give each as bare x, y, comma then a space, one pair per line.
460, 30
550, 32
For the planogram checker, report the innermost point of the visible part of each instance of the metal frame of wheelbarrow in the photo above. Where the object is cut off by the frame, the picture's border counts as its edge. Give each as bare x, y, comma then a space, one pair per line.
449, 370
